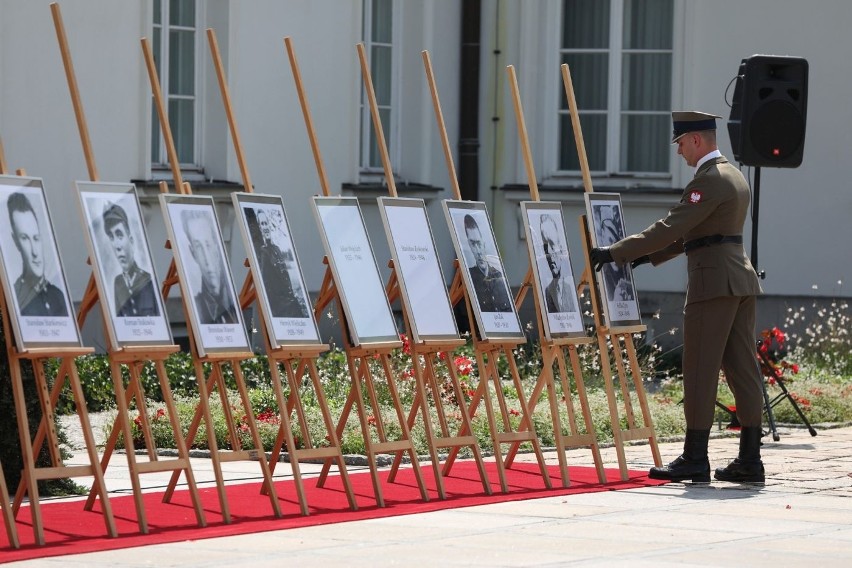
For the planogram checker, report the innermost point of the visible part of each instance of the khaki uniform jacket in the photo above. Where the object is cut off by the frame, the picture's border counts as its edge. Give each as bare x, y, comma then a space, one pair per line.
715, 202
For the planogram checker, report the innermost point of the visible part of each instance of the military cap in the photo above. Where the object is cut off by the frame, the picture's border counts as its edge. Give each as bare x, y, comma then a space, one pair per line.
684, 121
114, 214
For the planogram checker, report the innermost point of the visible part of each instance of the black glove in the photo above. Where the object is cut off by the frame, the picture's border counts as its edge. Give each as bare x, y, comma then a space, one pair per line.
641, 260
599, 257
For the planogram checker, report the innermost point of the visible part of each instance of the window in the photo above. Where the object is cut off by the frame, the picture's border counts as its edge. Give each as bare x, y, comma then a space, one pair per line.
174, 46
620, 56
378, 32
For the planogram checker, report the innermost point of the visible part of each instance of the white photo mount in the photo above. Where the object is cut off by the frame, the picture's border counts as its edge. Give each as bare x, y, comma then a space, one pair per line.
617, 291
215, 316
34, 283
489, 291
550, 259
421, 280
275, 270
356, 274
122, 264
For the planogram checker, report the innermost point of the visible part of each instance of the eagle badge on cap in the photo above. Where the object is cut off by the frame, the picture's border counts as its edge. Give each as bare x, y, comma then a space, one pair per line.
695, 196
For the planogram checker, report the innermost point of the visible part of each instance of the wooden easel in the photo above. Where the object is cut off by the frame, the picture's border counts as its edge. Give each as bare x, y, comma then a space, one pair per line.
617, 336
216, 361
132, 356
358, 356
429, 350
487, 352
8, 516
553, 349
296, 359
31, 473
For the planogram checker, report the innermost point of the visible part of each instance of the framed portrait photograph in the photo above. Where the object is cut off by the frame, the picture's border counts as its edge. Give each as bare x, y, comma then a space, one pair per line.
482, 270
275, 269
40, 308
128, 288
356, 274
421, 280
615, 283
553, 277
205, 274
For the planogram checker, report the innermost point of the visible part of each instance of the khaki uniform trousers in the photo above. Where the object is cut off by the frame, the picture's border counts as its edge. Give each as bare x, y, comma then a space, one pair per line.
719, 333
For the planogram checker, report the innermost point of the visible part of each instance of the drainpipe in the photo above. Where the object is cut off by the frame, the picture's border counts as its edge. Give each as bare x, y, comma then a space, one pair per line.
468, 168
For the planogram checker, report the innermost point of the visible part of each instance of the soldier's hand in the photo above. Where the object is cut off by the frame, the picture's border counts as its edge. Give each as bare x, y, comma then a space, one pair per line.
641, 260
599, 257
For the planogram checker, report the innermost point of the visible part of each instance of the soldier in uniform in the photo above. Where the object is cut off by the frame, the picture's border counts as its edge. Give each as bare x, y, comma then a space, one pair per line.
134, 291
36, 295
213, 303
283, 300
487, 280
719, 316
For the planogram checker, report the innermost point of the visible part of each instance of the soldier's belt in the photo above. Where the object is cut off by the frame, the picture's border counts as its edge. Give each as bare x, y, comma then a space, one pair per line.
710, 240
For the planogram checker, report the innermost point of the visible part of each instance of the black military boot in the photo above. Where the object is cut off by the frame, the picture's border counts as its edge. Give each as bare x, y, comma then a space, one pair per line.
747, 468
692, 464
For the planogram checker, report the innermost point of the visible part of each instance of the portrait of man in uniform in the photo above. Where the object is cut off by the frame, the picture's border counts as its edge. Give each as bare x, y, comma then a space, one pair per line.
559, 292
617, 284
36, 295
134, 292
275, 255
488, 281
213, 302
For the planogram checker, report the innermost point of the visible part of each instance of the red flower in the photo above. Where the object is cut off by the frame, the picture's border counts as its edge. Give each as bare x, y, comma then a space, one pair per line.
464, 366
406, 344
514, 412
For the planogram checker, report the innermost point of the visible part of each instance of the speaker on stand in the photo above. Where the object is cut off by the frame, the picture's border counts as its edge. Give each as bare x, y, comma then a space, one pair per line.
768, 118
767, 129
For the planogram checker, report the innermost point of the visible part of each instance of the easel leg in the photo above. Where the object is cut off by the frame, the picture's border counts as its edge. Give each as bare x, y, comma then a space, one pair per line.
332, 433
618, 442
29, 484
8, 517
525, 411
97, 473
183, 452
287, 429
255, 435
123, 419
584, 406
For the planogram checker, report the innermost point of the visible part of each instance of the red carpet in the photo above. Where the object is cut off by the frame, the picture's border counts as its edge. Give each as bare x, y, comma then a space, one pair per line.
71, 530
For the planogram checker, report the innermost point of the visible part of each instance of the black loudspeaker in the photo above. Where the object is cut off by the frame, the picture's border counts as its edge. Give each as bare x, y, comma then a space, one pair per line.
769, 111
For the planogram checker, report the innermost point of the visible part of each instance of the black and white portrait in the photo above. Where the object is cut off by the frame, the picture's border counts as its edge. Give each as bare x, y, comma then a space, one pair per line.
122, 263
276, 261
35, 289
615, 283
207, 286
609, 230
275, 268
551, 262
214, 299
492, 293
34, 283
485, 277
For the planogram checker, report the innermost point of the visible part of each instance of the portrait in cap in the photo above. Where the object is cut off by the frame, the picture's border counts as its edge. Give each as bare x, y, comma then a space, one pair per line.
134, 292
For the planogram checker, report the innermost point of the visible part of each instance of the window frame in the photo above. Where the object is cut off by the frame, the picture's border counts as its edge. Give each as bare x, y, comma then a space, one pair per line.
162, 169
367, 171
613, 174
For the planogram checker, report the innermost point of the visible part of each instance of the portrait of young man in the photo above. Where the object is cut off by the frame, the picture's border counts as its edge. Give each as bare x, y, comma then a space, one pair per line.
36, 295
134, 292
214, 302
488, 282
